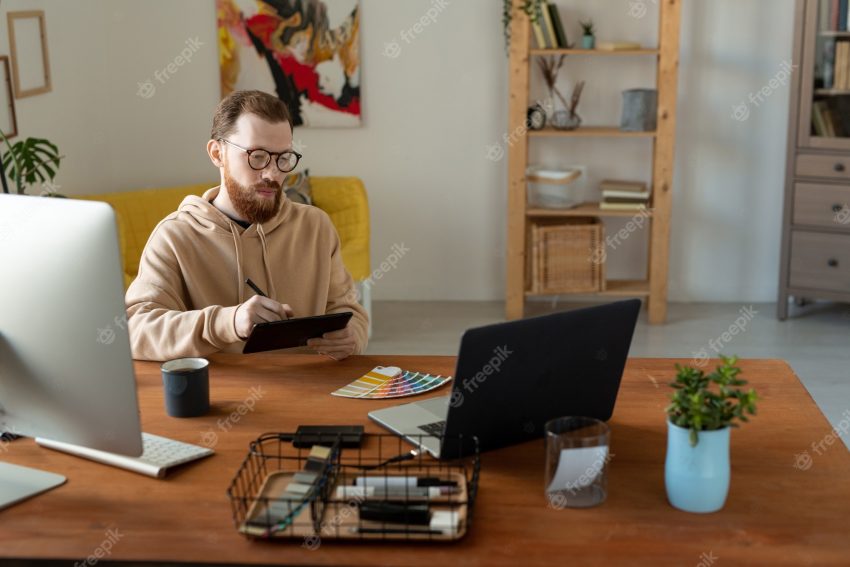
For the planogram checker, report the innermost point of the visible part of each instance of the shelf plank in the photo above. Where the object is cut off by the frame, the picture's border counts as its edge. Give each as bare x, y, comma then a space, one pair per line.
832, 92
565, 51
832, 33
590, 131
613, 288
583, 210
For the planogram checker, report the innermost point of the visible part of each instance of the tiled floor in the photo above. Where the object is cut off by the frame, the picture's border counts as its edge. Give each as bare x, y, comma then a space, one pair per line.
815, 341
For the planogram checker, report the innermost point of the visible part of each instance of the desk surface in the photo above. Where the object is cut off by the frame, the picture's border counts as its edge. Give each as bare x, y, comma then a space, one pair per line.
776, 512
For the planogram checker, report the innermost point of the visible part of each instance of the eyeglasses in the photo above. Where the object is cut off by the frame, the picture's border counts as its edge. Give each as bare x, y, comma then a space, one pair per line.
259, 159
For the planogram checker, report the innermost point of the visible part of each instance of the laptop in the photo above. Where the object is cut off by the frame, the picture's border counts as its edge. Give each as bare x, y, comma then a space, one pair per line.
511, 378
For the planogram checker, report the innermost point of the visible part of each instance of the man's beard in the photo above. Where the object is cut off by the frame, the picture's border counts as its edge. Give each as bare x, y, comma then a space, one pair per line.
252, 207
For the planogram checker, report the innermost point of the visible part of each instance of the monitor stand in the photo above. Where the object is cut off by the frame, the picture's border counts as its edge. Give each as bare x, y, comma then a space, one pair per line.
19, 483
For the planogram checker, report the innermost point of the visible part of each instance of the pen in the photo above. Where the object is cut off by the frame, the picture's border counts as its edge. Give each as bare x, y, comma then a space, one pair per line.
402, 481
356, 530
253, 286
394, 492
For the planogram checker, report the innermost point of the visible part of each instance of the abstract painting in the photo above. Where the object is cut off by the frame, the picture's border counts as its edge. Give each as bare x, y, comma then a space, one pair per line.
305, 51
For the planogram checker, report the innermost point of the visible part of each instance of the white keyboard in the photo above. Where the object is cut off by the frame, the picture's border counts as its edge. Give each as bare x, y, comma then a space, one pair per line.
159, 454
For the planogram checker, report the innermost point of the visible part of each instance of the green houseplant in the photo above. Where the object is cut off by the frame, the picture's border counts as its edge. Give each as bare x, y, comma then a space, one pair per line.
588, 38
30, 161
532, 8
703, 410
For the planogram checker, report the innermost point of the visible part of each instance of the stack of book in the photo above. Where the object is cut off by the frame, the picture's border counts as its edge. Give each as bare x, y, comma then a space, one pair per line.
548, 28
834, 15
623, 195
841, 68
831, 117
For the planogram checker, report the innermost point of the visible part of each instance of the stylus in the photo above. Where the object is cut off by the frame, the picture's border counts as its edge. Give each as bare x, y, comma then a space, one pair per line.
255, 288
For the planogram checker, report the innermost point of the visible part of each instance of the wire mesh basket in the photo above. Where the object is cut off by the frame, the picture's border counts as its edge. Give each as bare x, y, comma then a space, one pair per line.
353, 490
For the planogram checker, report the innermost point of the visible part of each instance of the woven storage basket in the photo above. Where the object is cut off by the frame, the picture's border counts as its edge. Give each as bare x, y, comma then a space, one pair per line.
566, 256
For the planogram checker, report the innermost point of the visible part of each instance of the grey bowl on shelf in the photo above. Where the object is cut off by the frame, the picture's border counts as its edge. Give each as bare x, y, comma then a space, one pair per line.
562, 120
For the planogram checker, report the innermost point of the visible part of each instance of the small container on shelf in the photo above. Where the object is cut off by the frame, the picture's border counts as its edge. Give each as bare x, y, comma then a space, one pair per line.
555, 188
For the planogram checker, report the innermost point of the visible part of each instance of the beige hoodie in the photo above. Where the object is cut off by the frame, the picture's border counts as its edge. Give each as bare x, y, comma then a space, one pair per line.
192, 272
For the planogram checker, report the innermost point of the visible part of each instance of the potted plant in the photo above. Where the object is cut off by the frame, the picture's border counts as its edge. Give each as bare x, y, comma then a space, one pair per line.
532, 8
588, 38
29, 161
704, 408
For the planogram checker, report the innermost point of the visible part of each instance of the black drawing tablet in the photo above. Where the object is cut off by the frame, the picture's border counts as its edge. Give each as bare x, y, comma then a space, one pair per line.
290, 333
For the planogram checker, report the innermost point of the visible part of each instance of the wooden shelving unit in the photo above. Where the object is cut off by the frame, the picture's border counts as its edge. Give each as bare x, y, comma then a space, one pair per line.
654, 288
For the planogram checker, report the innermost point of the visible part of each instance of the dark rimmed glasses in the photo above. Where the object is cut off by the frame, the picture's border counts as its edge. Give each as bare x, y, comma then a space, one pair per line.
258, 159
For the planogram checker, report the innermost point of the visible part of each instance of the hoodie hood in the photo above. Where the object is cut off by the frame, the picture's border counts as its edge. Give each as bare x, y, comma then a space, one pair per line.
204, 216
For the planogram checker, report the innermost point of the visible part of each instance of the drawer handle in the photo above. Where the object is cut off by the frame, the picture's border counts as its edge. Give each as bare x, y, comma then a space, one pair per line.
839, 167
832, 263
837, 208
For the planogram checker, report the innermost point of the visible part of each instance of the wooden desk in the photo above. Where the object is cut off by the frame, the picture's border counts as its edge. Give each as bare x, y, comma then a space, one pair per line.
776, 513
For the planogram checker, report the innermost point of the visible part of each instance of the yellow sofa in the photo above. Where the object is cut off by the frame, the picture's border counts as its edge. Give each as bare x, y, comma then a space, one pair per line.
343, 198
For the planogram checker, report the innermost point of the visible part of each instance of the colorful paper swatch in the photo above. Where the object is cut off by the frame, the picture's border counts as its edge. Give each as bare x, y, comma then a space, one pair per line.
391, 382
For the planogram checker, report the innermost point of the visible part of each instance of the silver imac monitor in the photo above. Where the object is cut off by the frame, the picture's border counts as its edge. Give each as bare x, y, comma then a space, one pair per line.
66, 371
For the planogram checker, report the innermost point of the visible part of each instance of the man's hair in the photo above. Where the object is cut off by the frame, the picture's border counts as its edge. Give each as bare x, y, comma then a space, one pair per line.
237, 103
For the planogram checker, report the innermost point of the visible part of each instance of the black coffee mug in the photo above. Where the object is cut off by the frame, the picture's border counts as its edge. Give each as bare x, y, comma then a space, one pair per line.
186, 382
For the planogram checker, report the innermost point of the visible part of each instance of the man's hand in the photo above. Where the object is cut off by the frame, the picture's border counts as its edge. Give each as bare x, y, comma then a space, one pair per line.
336, 344
259, 309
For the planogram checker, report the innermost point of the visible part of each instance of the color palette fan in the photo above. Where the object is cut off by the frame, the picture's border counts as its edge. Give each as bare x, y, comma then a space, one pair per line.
391, 382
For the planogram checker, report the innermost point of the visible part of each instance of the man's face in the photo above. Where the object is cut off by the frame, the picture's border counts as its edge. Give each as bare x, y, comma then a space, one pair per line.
255, 195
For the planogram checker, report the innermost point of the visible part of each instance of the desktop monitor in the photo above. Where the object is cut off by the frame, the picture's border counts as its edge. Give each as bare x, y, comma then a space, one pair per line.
66, 371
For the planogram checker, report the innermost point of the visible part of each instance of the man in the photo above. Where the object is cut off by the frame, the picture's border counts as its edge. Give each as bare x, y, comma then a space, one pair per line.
190, 296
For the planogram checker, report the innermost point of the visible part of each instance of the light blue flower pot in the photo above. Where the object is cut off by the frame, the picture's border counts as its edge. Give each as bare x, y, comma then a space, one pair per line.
588, 41
697, 478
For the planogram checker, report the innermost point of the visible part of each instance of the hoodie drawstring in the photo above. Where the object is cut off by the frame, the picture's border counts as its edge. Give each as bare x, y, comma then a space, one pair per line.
272, 291
239, 276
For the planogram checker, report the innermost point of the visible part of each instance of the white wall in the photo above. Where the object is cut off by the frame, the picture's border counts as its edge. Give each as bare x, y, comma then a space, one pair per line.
429, 116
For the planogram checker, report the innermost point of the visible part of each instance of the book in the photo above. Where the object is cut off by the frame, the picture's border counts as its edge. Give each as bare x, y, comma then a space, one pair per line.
563, 41
618, 45
838, 67
841, 67
842, 15
833, 121
619, 185
817, 118
624, 200
614, 194
833, 16
538, 35
547, 22
621, 206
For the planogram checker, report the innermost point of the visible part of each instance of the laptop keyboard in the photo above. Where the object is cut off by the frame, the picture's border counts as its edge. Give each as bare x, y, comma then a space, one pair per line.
436, 429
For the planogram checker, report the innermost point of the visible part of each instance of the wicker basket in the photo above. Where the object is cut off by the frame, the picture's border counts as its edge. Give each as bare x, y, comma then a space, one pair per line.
567, 256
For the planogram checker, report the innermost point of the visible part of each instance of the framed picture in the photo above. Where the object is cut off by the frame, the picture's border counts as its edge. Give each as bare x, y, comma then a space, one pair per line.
8, 121
305, 52
28, 47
